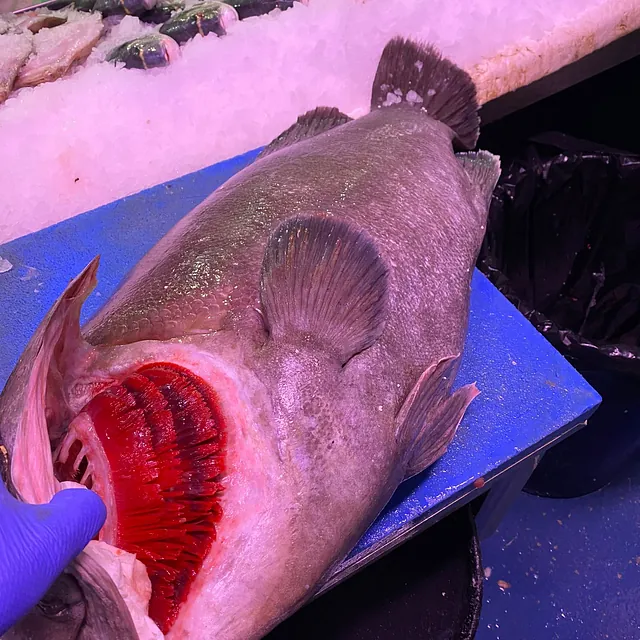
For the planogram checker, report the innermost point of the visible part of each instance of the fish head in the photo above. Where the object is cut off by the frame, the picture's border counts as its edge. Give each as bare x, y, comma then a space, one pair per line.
221, 458
173, 435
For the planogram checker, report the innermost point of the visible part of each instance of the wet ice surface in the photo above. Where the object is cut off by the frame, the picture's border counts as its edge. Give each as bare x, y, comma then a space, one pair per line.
104, 132
573, 567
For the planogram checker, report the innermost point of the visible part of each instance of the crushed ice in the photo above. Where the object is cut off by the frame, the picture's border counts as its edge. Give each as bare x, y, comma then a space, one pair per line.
5, 265
86, 124
392, 98
414, 98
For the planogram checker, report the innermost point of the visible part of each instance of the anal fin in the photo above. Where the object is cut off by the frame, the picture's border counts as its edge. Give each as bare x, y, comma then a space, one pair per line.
309, 125
430, 416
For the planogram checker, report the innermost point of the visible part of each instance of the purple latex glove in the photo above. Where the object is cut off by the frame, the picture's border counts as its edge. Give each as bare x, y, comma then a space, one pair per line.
38, 541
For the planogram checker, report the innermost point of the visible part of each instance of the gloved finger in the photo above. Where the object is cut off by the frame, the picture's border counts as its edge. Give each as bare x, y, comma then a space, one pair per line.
37, 542
76, 516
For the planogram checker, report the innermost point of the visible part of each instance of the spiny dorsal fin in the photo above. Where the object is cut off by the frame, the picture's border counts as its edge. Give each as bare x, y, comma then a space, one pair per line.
324, 278
483, 169
429, 417
416, 74
308, 125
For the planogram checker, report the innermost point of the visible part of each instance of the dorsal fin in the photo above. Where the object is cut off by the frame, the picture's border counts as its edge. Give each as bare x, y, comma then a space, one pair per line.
308, 125
483, 169
411, 73
324, 278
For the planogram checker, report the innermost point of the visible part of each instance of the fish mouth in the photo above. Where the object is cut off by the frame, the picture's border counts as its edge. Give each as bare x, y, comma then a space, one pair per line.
153, 446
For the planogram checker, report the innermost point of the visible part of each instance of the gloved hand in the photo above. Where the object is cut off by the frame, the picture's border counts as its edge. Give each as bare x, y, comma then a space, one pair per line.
38, 541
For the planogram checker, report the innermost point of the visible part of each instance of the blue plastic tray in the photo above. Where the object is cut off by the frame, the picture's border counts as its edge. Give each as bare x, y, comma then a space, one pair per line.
530, 396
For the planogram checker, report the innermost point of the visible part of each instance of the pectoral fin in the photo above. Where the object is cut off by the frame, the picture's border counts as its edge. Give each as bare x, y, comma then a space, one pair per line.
324, 279
430, 415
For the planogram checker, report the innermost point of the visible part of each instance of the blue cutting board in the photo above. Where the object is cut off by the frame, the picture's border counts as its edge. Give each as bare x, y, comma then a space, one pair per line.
529, 397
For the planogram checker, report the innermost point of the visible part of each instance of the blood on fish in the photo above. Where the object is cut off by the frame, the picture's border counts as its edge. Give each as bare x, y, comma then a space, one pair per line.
163, 436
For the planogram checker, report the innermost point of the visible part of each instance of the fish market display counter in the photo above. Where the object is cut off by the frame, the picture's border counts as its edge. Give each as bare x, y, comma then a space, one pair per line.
531, 398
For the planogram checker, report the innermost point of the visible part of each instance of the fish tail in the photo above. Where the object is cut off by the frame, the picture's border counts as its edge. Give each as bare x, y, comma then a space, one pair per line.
416, 74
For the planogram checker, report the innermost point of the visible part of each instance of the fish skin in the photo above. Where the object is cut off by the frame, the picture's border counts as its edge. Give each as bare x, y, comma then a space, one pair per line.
15, 48
305, 478
196, 280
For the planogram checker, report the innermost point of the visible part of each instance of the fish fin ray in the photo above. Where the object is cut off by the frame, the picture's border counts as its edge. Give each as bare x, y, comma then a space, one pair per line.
430, 416
483, 169
38, 375
442, 90
308, 125
324, 278
68, 307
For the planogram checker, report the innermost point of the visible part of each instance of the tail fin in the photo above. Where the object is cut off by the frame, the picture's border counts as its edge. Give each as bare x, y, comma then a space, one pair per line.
416, 74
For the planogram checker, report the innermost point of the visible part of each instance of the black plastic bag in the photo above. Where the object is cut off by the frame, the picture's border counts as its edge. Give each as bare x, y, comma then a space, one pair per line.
563, 244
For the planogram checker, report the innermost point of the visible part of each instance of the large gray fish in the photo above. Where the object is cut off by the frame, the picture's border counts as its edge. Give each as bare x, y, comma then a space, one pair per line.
270, 372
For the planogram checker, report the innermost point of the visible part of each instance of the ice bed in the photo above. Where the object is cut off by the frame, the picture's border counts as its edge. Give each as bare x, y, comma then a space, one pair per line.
103, 133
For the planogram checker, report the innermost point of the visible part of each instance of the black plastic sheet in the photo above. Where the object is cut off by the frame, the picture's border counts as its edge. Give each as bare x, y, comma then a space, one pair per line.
563, 244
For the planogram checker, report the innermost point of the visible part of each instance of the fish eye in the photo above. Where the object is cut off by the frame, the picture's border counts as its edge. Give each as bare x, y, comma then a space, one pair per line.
60, 615
52, 609
63, 600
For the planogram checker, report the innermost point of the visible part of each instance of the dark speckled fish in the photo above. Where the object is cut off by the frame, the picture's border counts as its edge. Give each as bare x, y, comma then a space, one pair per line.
147, 52
252, 8
270, 372
84, 5
162, 11
203, 18
123, 7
